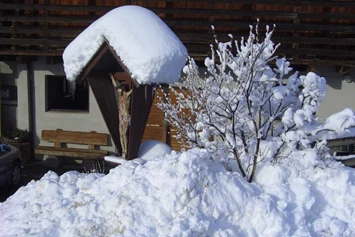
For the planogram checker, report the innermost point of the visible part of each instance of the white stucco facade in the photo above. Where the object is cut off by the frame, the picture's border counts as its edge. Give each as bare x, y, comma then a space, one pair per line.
50, 120
340, 94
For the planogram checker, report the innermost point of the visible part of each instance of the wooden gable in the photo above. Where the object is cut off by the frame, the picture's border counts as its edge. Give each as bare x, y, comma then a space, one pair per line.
98, 72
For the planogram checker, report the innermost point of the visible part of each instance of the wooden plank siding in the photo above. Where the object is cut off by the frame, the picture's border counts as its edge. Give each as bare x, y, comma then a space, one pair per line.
317, 32
157, 128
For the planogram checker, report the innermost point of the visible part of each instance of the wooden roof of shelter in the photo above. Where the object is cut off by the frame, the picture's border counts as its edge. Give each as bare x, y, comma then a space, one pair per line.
310, 31
98, 72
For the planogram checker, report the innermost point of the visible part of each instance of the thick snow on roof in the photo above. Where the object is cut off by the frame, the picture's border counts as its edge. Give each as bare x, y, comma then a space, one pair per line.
146, 45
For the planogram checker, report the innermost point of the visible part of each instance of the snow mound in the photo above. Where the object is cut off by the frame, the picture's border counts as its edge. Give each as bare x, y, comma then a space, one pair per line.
186, 194
341, 121
338, 125
145, 44
115, 159
152, 149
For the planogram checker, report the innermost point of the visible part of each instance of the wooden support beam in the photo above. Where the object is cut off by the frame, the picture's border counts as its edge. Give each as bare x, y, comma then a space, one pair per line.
200, 48
142, 99
104, 93
31, 52
165, 91
14, 24
42, 30
234, 25
296, 21
170, 10
200, 57
184, 35
340, 3
200, 44
119, 62
54, 7
82, 7
324, 62
26, 41
41, 18
317, 52
46, 25
202, 51
122, 76
90, 65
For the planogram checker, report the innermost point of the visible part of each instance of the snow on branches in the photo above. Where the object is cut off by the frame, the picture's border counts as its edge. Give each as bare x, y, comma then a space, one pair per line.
247, 107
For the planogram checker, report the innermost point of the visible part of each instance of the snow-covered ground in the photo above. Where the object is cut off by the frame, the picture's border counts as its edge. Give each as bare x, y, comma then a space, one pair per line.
187, 194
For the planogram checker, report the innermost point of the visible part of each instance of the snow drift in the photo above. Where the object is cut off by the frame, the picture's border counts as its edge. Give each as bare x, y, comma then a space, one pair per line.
187, 194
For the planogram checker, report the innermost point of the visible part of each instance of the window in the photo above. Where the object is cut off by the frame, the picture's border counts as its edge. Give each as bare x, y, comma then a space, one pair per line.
62, 95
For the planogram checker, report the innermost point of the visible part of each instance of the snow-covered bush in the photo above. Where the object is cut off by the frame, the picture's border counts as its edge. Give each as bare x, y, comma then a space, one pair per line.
248, 107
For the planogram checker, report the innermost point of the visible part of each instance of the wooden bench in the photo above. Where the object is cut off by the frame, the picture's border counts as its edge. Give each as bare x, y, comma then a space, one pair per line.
62, 138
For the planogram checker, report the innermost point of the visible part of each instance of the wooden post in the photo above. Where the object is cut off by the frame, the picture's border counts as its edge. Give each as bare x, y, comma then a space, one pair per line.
31, 121
0, 108
165, 124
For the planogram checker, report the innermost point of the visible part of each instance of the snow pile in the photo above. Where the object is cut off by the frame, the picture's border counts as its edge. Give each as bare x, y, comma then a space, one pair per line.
187, 194
316, 200
148, 150
338, 125
145, 44
152, 148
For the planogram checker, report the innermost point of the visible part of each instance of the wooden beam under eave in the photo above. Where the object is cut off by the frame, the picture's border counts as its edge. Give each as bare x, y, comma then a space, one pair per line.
185, 35
31, 41
84, 7
142, 100
31, 52
334, 27
92, 62
119, 61
192, 11
122, 76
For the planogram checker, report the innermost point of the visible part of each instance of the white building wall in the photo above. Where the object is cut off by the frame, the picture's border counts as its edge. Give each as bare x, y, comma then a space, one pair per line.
22, 96
73, 121
340, 94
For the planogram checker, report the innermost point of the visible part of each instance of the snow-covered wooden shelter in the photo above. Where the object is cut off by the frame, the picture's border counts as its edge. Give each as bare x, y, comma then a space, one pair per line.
133, 47
314, 35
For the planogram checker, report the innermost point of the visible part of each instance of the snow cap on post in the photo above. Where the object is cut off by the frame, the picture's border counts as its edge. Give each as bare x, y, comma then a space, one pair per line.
145, 44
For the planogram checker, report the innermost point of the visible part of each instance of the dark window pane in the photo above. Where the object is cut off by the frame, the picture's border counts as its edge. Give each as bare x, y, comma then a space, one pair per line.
60, 96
